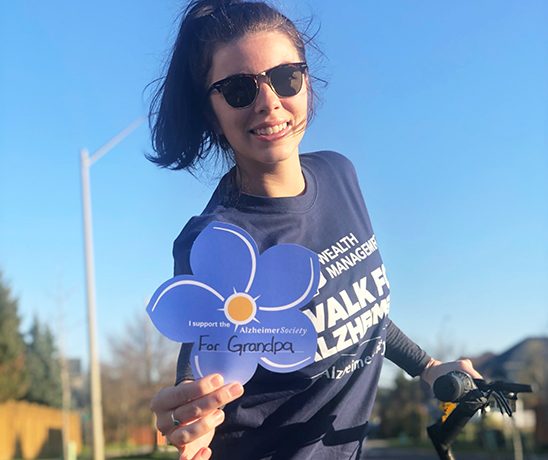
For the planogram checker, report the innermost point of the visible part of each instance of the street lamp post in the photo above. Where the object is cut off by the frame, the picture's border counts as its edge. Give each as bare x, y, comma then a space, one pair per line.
86, 161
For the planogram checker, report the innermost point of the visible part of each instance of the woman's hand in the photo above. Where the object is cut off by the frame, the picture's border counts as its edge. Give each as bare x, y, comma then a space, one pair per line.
195, 405
435, 369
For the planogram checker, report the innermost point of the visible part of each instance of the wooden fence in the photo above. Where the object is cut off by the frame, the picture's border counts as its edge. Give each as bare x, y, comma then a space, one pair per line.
32, 431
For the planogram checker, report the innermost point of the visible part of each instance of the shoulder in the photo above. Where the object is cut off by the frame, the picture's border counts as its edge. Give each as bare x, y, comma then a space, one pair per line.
330, 166
333, 161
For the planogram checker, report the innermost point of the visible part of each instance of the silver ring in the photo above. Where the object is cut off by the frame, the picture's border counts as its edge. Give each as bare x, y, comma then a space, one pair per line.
174, 420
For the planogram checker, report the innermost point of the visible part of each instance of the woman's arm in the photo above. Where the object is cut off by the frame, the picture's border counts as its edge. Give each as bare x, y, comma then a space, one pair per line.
406, 354
403, 352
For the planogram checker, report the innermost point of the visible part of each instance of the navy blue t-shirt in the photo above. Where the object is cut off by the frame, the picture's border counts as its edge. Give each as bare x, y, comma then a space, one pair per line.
321, 411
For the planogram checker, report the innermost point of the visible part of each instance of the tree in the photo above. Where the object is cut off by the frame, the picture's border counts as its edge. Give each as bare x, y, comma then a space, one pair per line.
533, 369
403, 409
43, 367
142, 362
13, 376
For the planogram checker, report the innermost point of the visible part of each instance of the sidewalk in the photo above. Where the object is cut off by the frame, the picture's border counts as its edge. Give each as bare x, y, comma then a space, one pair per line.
379, 449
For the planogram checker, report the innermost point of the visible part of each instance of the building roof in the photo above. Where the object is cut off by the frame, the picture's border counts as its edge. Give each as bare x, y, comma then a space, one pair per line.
526, 362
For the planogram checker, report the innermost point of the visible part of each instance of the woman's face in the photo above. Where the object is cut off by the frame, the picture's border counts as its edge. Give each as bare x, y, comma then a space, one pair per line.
246, 129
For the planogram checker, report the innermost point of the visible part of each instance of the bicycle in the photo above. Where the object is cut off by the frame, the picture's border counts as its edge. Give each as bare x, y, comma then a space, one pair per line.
469, 395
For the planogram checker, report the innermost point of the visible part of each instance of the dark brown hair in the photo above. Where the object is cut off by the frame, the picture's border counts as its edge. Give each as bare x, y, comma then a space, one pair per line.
180, 113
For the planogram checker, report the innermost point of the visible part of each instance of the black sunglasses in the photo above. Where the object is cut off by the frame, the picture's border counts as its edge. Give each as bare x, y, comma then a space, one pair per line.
241, 90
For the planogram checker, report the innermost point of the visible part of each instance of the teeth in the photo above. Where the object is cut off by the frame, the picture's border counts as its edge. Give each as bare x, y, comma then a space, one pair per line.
270, 130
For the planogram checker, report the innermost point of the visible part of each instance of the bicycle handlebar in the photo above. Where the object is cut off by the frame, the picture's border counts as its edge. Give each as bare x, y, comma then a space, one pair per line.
470, 395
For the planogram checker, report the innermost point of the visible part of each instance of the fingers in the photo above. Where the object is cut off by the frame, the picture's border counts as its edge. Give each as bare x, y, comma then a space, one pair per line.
189, 413
436, 369
468, 367
203, 454
170, 398
193, 410
204, 405
193, 405
198, 449
187, 434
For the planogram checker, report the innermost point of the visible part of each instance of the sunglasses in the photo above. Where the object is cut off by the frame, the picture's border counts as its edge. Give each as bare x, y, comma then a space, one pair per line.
240, 91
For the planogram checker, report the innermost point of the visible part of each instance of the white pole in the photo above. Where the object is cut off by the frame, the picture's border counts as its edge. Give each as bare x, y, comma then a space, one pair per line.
95, 370
120, 136
86, 161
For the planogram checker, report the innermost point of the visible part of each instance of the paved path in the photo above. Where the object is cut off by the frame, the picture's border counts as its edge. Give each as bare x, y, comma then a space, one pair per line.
377, 449
396, 454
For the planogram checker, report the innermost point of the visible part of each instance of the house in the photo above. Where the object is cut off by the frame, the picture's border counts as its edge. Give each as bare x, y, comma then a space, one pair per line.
526, 362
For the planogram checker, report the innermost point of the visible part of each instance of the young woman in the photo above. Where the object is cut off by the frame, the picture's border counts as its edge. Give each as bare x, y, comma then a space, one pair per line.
238, 85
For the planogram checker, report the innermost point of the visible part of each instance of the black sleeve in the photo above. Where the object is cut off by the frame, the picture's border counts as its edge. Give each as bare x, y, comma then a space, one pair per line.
403, 352
184, 371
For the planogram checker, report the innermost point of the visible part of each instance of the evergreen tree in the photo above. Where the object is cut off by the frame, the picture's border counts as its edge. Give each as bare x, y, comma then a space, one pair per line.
13, 377
43, 367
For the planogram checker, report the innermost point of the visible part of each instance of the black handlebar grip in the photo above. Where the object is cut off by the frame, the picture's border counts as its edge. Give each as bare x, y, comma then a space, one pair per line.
453, 386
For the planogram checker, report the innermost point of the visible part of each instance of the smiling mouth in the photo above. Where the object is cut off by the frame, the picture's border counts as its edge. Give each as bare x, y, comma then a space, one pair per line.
270, 129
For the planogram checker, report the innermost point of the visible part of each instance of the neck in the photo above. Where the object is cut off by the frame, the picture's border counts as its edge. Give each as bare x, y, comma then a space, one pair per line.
284, 179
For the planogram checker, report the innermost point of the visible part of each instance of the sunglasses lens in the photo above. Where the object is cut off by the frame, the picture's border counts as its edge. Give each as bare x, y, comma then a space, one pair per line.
240, 91
287, 80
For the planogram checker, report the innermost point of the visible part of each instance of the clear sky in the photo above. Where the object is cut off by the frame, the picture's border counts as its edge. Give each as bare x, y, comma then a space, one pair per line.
442, 106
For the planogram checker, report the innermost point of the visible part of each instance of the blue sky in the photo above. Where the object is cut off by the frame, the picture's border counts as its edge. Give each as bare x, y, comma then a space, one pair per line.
442, 106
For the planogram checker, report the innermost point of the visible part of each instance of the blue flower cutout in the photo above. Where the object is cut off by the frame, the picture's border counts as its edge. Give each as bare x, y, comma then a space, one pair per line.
240, 308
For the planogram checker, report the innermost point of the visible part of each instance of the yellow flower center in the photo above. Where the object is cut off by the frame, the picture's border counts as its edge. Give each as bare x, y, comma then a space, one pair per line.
240, 308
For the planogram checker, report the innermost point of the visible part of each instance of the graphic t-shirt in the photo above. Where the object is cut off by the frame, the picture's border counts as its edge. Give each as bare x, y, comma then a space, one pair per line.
321, 411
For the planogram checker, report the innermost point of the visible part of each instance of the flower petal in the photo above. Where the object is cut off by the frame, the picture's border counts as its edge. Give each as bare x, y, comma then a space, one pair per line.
287, 277
297, 341
224, 256
232, 366
182, 308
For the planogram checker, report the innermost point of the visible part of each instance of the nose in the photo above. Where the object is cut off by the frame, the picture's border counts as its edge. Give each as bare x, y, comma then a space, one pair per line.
267, 100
